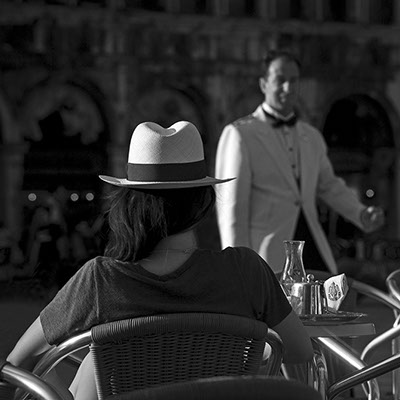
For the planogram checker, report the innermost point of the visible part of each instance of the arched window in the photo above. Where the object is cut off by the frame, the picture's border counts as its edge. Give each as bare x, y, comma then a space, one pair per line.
361, 147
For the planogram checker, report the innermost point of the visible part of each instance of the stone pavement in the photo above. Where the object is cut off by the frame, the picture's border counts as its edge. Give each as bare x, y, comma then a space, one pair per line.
21, 302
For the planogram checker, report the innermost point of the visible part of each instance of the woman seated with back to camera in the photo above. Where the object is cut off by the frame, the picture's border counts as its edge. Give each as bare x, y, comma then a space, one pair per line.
152, 263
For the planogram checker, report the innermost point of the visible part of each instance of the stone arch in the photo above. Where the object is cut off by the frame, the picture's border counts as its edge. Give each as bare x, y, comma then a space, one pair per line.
359, 131
66, 135
76, 107
61, 116
363, 124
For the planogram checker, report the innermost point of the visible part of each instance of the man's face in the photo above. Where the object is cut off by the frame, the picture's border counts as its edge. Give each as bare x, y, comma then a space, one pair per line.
281, 85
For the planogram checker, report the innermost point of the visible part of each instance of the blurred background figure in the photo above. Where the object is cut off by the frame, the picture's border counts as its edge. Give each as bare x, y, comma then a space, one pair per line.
11, 256
47, 242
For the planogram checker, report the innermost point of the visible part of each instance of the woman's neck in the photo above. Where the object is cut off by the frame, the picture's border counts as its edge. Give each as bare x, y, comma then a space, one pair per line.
170, 253
180, 242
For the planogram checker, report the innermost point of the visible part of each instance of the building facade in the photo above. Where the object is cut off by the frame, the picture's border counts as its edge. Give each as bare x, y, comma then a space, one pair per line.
77, 76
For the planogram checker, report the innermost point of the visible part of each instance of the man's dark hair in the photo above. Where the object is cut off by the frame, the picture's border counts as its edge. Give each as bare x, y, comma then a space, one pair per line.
272, 55
139, 219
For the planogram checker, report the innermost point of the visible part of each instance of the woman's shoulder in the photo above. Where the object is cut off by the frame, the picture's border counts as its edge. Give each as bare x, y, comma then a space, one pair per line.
249, 260
242, 256
241, 252
96, 265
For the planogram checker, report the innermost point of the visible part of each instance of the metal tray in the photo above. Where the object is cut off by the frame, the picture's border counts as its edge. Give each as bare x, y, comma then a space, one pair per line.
330, 317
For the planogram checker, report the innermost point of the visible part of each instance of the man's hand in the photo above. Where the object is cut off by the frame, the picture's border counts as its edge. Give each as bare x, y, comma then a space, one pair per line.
372, 218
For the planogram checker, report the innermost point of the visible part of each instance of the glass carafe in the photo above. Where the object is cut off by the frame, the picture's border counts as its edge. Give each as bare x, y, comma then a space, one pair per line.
293, 271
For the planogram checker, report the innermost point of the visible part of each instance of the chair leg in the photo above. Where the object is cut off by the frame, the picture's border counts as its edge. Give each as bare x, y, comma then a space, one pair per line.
396, 372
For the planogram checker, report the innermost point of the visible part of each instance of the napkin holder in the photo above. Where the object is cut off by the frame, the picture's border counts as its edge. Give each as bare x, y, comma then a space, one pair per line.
335, 289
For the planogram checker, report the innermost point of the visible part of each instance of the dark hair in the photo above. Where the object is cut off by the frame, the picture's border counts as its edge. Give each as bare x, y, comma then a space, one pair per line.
272, 55
139, 219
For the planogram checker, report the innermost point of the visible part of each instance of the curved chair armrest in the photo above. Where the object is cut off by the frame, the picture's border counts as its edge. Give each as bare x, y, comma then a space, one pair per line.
364, 375
28, 382
386, 336
272, 365
376, 294
393, 287
57, 353
350, 358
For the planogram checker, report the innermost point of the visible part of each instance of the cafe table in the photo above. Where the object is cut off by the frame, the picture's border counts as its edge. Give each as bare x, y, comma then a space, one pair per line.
326, 334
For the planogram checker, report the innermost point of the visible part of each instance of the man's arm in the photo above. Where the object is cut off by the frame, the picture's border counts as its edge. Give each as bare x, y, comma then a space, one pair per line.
233, 198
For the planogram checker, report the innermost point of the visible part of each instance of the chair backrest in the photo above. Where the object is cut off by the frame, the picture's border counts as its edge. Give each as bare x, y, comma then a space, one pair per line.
393, 284
12, 377
232, 388
144, 352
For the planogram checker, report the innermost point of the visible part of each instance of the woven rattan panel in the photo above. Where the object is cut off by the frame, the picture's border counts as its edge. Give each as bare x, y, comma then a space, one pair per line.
166, 358
174, 355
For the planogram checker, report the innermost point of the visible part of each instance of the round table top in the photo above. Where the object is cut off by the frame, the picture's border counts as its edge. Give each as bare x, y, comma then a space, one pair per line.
346, 329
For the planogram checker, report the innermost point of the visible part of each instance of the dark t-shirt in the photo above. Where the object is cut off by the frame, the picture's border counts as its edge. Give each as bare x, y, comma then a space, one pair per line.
232, 281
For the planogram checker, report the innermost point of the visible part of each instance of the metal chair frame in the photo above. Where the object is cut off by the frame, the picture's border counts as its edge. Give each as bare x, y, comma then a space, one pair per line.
365, 373
394, 291
12, 377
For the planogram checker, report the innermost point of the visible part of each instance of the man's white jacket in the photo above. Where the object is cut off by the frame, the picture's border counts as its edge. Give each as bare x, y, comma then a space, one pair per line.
259, 209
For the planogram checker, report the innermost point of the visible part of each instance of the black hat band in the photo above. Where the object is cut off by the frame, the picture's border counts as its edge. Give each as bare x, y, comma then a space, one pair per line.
167, 172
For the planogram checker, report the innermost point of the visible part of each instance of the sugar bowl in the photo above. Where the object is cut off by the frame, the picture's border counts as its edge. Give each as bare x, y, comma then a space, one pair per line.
308, 297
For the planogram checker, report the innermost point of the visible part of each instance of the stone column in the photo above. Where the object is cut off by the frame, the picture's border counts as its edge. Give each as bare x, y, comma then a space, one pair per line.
358, 11
396, 13
319, 10
220, 7
117, 154
12, 160
267, 8
314, 10
173, 6
117, 150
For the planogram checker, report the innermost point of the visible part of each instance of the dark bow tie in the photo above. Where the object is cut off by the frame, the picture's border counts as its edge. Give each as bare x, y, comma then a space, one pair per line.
277, 122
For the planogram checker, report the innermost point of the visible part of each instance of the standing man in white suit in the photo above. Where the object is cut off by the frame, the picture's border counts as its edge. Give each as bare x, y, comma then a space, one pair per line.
282, 167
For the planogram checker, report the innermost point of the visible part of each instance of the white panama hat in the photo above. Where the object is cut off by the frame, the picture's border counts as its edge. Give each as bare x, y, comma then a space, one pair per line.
165, 158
